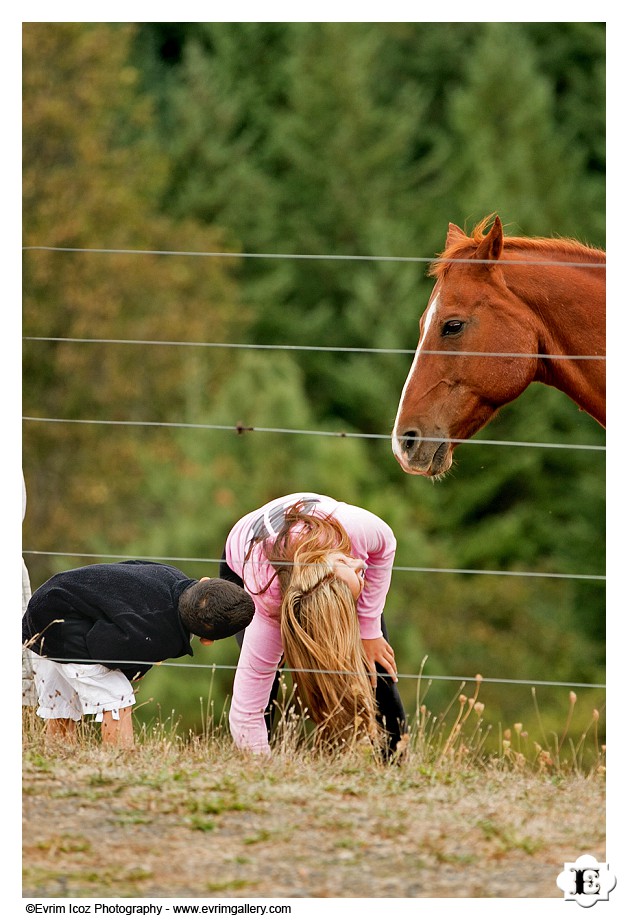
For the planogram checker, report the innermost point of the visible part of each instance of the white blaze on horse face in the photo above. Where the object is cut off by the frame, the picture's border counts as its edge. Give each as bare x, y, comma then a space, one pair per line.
429, 316
426, 325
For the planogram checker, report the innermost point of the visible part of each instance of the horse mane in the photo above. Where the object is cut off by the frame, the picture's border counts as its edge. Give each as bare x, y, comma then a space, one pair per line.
463, 247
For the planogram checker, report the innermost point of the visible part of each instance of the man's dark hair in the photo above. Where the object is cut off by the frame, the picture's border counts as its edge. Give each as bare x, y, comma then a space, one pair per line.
215, 609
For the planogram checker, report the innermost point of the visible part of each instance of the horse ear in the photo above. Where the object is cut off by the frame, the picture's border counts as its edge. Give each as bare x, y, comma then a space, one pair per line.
493, 243
454, 233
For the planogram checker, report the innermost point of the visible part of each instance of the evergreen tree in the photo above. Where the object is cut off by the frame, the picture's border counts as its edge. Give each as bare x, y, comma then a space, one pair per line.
92, 179
510, 158
347, 139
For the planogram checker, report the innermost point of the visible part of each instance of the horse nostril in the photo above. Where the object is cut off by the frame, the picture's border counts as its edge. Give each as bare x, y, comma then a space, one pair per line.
408, 440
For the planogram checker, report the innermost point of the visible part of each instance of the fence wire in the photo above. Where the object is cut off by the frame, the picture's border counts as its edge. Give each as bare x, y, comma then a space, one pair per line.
240, 428
393, 568
338, 257
477, 679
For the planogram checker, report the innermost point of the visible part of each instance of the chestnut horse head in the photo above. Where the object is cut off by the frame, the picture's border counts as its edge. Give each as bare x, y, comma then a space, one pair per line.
504, 312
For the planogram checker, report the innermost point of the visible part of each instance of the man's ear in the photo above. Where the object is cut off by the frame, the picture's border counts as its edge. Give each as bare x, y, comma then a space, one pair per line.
205, 578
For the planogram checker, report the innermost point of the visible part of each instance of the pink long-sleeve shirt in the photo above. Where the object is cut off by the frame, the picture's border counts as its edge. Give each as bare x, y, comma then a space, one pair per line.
372, 540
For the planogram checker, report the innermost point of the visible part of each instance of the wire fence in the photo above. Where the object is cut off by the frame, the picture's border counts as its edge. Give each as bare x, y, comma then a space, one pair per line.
421, 676
317, 257
393, 568
341, 349
241, 429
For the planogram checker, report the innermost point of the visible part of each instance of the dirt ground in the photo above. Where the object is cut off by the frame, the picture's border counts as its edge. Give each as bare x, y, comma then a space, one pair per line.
190, 825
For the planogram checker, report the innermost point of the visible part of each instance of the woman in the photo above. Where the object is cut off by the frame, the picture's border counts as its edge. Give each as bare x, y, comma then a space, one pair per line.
319, 572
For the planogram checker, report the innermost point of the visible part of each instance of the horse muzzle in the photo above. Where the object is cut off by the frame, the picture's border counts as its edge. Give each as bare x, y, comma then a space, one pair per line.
422, 455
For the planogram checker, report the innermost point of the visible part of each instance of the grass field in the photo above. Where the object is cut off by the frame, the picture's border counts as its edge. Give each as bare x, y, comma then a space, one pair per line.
456, 817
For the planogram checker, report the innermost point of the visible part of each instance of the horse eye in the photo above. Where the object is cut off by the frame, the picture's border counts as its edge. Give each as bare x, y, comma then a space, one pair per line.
452, 327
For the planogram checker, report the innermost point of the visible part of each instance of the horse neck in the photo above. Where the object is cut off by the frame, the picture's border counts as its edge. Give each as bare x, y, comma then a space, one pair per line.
569, 306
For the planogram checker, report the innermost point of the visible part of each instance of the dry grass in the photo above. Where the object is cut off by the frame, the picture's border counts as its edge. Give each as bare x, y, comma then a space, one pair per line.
195, 818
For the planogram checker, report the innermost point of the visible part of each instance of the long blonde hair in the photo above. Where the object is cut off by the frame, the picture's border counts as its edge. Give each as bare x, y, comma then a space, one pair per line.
320, 630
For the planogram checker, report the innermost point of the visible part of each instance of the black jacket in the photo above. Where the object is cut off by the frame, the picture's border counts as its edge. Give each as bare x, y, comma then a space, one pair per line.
111, 614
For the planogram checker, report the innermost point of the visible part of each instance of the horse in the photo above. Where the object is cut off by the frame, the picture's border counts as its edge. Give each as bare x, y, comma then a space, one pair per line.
503, 312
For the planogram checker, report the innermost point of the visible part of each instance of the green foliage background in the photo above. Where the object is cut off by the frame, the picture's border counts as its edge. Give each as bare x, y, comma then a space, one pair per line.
306, 138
